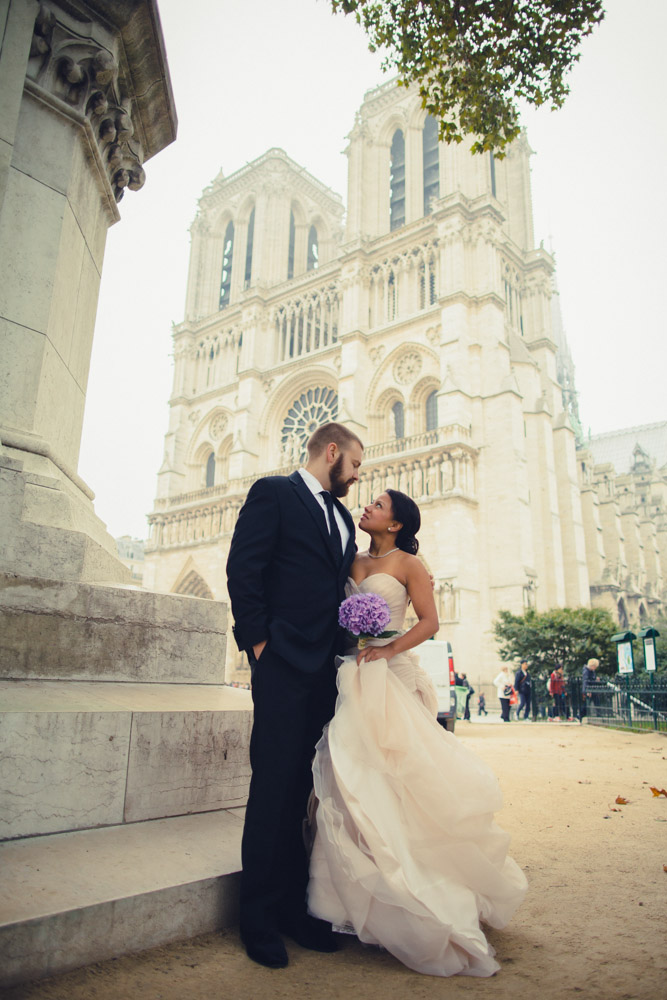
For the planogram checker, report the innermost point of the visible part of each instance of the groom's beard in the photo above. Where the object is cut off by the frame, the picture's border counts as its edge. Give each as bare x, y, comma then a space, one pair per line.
339, 486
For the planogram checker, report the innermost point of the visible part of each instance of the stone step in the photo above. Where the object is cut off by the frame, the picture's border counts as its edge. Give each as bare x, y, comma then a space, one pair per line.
79, 755
69, 899
59, 630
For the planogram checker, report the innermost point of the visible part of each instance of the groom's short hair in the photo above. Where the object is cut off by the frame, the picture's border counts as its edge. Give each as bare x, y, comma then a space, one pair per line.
327, 433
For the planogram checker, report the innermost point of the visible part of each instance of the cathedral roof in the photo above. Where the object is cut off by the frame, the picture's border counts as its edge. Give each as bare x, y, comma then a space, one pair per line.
620, 447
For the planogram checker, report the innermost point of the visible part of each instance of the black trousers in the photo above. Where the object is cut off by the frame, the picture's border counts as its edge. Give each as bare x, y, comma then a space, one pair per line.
290, 711
524, 703
505, 709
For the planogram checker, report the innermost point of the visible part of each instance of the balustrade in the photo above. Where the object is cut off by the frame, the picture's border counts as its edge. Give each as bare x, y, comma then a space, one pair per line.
438, 463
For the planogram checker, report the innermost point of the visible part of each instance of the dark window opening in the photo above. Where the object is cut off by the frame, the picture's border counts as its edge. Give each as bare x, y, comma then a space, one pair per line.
210, 470
397, 181
248, 250
492, 164
313, 250
399, 420
432, 411
431, 163
227, 256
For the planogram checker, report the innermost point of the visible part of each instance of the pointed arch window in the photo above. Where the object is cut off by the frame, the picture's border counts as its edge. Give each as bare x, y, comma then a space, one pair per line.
227, 256
313, 250
397, 181
492, 169
432, 410
399, 419
290, 249
431, 161
248, 250
210, 470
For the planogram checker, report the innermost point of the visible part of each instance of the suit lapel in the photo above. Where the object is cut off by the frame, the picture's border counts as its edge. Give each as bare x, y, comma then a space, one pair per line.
314, 509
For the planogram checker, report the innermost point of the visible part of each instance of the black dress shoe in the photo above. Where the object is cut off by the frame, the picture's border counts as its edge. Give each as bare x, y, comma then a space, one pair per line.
316, 935
266, 948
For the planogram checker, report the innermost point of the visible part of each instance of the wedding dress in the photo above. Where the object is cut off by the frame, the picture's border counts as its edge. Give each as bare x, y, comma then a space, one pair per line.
406, 852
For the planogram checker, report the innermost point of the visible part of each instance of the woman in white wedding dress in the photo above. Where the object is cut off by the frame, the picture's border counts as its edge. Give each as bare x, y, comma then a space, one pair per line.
406, 853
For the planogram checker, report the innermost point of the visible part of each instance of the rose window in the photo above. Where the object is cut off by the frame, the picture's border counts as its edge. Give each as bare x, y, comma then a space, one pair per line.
312, 409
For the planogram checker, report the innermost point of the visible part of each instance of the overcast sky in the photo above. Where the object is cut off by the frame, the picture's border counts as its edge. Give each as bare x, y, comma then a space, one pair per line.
251, 74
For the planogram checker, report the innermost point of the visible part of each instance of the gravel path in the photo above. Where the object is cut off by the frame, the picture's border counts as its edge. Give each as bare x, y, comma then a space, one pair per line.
593, 925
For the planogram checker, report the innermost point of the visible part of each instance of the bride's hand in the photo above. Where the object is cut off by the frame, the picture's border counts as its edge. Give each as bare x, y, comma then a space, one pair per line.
370, 653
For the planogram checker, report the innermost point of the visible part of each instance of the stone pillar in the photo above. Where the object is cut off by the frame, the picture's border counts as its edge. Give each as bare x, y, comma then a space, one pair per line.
88, 101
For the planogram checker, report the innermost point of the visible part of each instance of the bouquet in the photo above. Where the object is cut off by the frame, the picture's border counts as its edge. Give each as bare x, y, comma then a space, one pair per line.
365, 617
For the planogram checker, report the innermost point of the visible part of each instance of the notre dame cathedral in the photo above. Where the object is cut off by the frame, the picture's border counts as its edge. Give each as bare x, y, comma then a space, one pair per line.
425, 319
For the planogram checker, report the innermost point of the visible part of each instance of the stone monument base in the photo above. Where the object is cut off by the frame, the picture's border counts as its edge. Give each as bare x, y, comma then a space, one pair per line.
48, 526
126, 772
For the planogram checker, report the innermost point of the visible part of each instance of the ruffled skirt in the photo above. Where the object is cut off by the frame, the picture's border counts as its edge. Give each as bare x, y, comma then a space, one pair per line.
406, 850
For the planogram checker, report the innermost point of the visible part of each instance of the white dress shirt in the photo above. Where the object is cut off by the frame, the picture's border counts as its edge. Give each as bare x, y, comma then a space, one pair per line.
315, 487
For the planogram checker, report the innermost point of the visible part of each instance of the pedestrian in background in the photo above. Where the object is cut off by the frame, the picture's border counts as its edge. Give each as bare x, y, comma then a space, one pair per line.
464, 682
481, 705
589, 679
557, 691
504, 684
522, 686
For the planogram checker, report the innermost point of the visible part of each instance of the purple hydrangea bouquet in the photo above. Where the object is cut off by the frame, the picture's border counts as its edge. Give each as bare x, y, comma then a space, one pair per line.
365, 616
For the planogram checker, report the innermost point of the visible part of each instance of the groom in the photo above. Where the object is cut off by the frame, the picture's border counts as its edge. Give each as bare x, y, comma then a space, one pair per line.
290, 556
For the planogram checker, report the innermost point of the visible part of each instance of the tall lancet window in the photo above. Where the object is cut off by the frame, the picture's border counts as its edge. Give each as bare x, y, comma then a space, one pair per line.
248, 250
313, 250
397, 182
399, 419
492, 168
227, 255
432, 411
210, 470
431, 161
290, 249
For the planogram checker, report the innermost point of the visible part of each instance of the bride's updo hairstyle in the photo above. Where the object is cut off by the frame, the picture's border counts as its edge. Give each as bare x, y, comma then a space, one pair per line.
406, 511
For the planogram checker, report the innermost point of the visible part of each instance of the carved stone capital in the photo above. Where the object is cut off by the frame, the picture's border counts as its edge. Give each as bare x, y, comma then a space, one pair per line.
78, 62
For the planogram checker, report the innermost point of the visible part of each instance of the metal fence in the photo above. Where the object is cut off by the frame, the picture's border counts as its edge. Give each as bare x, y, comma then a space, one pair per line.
630, 701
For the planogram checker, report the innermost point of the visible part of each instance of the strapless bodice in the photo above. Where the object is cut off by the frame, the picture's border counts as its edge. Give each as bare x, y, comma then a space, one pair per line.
391, 589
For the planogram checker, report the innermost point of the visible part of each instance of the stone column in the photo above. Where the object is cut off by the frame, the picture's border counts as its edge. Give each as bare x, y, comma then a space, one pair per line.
88, 102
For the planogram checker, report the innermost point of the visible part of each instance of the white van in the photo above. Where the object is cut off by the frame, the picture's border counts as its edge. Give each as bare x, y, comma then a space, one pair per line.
437, 659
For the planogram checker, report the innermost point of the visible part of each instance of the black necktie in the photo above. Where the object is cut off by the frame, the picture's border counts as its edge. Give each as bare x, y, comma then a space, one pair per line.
333, 527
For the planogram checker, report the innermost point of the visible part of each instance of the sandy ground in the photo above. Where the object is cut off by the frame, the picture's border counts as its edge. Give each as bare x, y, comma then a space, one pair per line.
593, 925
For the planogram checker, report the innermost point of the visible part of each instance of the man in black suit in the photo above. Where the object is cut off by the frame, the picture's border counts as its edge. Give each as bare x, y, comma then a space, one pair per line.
290, 556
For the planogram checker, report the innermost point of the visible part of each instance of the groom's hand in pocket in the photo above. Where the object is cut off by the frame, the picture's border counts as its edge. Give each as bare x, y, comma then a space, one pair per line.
259, 649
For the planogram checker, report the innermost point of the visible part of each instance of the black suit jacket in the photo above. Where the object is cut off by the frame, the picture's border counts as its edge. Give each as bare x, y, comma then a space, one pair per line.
284, 579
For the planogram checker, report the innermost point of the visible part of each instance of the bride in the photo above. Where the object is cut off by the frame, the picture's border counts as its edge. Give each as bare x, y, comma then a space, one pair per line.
406, 853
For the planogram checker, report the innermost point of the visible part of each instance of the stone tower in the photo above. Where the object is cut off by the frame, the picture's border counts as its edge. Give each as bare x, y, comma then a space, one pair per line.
425, 325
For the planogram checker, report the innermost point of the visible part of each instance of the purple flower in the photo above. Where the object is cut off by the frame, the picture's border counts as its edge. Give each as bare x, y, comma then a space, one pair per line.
365, 615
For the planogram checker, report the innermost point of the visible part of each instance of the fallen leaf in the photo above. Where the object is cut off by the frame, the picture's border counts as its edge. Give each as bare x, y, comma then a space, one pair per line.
615, 810
664, 868
620, 801
584, 782
658, 791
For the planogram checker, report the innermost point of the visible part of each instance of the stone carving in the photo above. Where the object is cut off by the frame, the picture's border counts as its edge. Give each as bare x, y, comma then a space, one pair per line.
82, 73
193, 416
376, 354
218, 425
267, 384
408, 367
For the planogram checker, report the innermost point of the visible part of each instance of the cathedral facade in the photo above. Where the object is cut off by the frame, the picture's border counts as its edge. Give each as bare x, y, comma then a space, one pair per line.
421, 318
